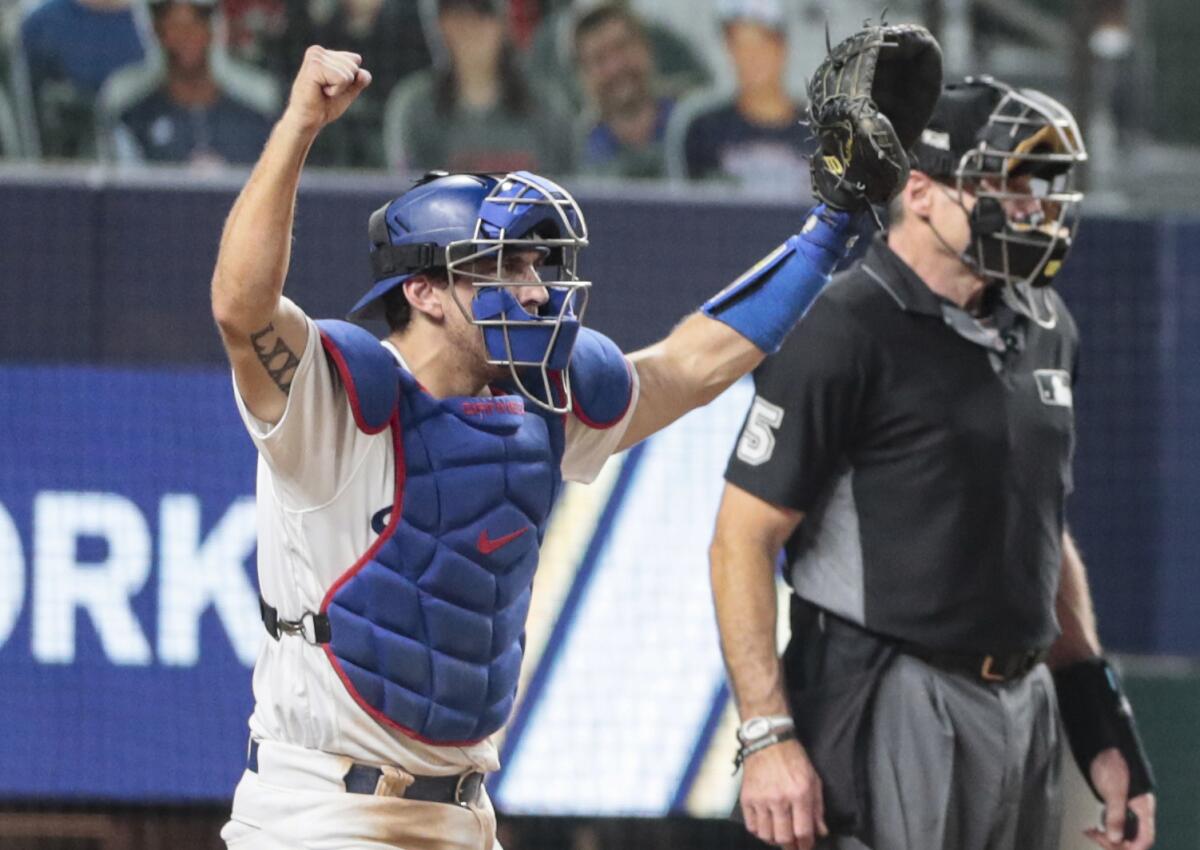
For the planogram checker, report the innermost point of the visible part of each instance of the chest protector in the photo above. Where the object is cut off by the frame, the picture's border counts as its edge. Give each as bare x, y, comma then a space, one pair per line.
427, 627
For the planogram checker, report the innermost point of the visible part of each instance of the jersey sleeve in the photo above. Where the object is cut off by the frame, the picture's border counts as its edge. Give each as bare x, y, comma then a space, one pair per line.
805, 410
604, 387
315, 446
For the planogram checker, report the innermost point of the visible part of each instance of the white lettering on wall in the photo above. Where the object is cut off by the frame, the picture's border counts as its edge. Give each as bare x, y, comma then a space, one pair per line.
12, 575
103, 589
195, 574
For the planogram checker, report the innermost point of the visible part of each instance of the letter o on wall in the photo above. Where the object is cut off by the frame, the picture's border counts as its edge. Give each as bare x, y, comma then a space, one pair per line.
12, 575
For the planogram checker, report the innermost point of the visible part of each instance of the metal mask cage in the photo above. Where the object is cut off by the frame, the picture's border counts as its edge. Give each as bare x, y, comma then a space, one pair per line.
1027, 135
559, 238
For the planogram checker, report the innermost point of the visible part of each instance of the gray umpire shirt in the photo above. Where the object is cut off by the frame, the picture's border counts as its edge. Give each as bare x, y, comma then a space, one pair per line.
931, 454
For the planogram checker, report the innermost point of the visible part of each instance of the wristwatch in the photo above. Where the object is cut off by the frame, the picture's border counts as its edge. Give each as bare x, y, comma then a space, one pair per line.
760, 727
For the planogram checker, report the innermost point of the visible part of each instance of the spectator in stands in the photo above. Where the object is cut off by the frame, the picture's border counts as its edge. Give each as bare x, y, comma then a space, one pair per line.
754, 138
71, 47
476, 111
678, 67
189, 116
624, 135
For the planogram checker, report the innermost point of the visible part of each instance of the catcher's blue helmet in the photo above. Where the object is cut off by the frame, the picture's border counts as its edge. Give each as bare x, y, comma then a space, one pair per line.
455, 221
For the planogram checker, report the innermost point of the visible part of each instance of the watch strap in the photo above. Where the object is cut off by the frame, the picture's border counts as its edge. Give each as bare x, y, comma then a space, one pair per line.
762, 743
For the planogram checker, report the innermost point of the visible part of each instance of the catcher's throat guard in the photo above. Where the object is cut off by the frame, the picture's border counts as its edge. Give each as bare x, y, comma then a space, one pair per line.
470, 226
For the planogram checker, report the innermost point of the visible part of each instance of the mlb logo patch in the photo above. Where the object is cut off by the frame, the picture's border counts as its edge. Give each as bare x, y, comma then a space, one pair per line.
1054, 387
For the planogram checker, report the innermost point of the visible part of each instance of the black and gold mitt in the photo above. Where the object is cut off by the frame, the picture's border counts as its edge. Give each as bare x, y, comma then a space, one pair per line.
867, 105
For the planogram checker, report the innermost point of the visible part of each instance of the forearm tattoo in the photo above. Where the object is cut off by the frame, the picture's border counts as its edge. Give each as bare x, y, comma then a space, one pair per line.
279, 360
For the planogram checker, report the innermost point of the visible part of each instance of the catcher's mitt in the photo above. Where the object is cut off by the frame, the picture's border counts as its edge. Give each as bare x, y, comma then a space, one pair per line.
867, 105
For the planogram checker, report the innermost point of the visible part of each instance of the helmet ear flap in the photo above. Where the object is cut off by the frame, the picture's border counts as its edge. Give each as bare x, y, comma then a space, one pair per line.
377, 229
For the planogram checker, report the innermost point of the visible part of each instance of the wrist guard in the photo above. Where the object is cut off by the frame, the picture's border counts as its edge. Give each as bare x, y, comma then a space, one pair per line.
1096, 715
765, 302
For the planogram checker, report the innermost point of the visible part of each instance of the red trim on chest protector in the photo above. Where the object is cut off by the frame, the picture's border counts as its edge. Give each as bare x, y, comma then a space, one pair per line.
348, 382
367, 557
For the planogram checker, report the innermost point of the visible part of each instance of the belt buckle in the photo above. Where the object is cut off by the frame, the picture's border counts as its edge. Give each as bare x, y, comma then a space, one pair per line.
308, 627
464, 781
986, 673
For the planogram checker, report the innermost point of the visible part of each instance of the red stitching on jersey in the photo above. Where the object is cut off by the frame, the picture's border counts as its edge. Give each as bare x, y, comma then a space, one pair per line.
485, 406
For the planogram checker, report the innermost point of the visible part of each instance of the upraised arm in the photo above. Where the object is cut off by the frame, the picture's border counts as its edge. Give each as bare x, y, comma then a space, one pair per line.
263, 332
736, 328
869, 100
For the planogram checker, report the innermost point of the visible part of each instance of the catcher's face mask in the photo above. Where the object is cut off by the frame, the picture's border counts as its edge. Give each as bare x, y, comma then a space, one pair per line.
1026, 212
525, 213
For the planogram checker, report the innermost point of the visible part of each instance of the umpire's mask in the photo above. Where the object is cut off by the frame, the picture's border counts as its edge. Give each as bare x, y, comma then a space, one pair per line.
1015, 150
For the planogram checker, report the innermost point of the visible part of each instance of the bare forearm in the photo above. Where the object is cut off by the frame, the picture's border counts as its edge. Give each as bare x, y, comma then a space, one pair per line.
1076, 617
743, 581
709, 356
264, 333
696, 362
256, 243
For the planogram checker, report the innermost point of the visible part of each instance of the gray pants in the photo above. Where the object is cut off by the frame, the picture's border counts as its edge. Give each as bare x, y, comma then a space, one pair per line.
956, 764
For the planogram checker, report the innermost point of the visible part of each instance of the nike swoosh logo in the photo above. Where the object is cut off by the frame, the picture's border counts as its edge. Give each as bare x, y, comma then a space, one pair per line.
487, 546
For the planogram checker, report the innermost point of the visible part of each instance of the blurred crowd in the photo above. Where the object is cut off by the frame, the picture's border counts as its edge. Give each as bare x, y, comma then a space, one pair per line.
554, 86
687, 89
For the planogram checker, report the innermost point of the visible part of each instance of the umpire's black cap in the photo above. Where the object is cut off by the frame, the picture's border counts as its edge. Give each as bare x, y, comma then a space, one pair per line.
959, 118
980, 114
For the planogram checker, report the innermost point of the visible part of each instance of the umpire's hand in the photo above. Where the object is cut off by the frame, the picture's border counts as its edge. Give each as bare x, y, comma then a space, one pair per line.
781, 797
326, 84
1110, 776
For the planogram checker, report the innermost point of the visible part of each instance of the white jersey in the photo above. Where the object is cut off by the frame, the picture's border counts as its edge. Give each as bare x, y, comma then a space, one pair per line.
320, 481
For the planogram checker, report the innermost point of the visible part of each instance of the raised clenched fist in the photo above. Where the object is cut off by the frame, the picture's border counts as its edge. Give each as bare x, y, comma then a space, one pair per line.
327, 83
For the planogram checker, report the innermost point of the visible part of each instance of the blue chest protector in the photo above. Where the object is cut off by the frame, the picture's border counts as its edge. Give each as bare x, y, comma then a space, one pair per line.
428, 626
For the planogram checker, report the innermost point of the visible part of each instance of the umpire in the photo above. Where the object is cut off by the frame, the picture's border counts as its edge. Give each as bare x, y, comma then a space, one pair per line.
909, 449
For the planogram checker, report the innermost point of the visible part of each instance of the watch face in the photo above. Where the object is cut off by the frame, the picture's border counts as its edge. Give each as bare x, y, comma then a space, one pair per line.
755, 728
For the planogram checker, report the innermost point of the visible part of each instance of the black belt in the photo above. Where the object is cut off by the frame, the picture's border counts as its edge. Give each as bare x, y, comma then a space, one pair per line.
999, 667
461, 790
1003, 667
